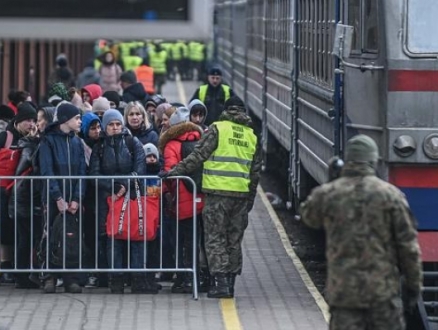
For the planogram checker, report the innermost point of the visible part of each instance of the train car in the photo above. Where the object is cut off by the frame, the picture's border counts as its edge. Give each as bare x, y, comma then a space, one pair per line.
383, 83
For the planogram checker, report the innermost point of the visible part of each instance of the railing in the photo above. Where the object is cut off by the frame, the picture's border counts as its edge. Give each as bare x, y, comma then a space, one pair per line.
40, 222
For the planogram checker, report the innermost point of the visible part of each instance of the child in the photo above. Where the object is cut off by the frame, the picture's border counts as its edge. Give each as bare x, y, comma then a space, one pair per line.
152, 168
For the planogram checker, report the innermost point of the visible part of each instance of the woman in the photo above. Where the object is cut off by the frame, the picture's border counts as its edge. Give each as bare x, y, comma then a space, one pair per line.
21, 125
110, 73
117, 153
165, 125
138, 123
159, 115
172, 142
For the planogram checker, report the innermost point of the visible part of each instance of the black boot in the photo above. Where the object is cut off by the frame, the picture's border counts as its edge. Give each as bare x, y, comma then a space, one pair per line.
221, 288
182, 284
141, 284
204, 280
117, 284
232, 281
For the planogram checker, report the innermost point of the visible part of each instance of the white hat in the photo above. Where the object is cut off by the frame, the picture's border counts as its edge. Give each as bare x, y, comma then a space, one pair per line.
181, 115
150, 149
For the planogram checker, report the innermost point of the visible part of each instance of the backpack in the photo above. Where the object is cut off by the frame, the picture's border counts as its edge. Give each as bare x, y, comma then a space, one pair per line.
186, 149
72, 240
9, 159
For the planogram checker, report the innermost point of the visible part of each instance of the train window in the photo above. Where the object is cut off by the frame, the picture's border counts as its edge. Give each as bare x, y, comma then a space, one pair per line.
354, 19
362, 15
370, 42
421, 20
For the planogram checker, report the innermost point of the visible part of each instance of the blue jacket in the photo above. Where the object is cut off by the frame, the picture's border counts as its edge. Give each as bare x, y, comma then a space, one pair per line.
62, 154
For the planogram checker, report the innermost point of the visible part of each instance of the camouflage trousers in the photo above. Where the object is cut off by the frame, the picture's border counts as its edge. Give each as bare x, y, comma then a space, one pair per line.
384, 316
225, 220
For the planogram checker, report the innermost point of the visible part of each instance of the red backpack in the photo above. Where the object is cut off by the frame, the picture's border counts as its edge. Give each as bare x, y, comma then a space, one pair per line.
9, 159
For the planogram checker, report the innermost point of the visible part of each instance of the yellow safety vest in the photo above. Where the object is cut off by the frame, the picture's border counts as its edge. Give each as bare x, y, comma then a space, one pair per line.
196, 51
158, 61
203, 92
132, 62
228, 168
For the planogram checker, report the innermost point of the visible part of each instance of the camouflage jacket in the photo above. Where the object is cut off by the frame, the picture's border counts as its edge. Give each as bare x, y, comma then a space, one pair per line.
208, 144
371, 238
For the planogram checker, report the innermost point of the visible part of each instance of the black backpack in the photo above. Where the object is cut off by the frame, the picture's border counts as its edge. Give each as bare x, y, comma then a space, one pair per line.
72, 238
186, 149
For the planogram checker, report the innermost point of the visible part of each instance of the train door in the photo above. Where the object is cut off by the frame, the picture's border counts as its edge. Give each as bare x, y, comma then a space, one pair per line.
360, 98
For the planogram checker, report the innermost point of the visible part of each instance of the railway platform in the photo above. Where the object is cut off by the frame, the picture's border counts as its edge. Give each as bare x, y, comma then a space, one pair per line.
274, 291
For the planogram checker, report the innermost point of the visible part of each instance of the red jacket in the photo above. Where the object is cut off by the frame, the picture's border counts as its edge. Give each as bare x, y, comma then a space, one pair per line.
170, 146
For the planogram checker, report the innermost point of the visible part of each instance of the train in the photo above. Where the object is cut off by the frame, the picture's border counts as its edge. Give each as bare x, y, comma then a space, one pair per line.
314, 73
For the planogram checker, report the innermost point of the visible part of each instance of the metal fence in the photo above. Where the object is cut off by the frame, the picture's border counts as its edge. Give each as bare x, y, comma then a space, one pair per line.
37, 214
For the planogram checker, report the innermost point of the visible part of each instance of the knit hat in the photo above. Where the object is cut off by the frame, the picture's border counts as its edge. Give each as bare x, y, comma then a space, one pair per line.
101, 104
61, 60
58, 92
25, 111
111, 115
128, 77
361, 149
149, 149
66, 111
215, 71
234, 102
160, 110
6, 112
112, 96
181, 115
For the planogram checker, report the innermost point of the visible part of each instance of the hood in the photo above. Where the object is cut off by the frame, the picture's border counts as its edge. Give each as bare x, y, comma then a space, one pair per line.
136, 90
49, 113
94, 90
187, 131
197, 102
87, 119
236, 116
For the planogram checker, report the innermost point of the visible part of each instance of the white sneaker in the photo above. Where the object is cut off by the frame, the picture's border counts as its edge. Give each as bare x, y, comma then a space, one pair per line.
59, 282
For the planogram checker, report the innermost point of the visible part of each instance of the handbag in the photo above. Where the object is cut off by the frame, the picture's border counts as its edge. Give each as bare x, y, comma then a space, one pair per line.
133, 219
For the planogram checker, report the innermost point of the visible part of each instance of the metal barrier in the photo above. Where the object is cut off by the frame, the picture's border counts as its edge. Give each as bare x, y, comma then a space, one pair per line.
89, 188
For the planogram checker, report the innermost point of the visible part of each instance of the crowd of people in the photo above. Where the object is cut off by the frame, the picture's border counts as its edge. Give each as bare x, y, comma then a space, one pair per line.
99, 125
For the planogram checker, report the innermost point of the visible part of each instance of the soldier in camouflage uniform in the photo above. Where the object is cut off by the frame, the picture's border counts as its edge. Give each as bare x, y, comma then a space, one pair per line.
225, 214
371, 243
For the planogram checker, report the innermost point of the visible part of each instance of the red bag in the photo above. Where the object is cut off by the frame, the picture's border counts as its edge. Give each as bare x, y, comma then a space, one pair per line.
133, 219
9, 159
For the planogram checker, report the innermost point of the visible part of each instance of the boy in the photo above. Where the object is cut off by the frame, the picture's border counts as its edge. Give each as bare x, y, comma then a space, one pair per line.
152, 168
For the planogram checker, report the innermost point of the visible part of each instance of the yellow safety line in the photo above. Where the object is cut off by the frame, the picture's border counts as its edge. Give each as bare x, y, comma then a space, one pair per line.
230, 315
228, 306
295, 259
180, 88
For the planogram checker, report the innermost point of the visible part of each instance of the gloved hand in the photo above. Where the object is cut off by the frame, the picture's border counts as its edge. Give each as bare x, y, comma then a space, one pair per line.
163, 174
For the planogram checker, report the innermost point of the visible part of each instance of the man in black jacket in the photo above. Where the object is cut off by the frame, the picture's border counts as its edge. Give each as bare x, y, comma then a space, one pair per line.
213, 95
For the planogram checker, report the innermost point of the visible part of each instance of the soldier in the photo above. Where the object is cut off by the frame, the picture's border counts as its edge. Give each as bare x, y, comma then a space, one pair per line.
230, 176
371, 243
